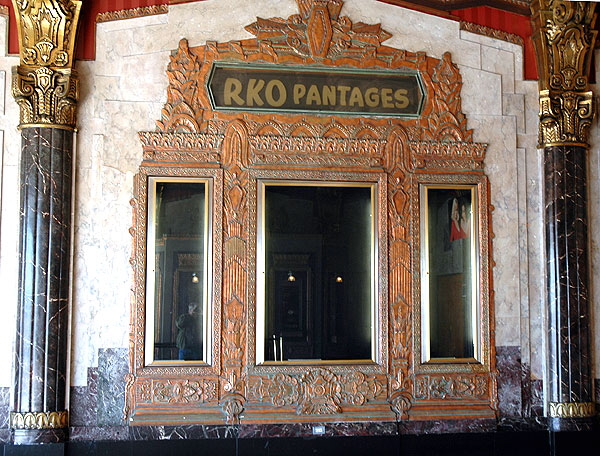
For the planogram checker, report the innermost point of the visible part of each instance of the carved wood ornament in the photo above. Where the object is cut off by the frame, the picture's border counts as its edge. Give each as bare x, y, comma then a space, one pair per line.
237, 148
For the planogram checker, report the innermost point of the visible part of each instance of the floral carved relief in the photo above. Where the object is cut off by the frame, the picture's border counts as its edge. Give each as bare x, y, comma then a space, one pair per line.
318, 391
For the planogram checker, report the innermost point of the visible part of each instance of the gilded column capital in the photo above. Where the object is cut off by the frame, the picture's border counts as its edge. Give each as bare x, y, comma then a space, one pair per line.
46, 97
44, 84
564, 39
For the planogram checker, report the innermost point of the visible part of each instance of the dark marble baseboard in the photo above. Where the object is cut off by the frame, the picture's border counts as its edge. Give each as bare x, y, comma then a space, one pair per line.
305, 430
475, 444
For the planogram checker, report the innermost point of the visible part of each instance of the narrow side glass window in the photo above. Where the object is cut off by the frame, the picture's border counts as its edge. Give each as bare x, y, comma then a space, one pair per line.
177, 285
450, 307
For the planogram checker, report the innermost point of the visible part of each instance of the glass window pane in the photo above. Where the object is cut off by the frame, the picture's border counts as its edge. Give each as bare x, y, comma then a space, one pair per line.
178, 241
450, 272
318, 272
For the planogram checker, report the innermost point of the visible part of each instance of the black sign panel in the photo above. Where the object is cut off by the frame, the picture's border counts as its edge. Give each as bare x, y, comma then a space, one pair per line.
326, 91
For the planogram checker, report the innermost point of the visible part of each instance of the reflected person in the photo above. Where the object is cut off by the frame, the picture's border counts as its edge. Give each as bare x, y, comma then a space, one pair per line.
188, 336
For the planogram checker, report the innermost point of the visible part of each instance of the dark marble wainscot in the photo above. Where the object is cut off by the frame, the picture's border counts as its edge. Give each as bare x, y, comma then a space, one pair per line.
510, 378
4, 412
97, 409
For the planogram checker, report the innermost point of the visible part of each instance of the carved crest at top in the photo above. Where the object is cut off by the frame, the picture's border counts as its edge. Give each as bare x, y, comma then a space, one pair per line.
319, 32
319, 35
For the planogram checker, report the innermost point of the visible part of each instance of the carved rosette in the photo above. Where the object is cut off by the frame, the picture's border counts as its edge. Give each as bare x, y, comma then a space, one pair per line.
564, 38
44, 85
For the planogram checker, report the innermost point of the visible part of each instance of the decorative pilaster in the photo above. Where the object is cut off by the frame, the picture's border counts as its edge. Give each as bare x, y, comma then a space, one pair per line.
564, 40
46, 90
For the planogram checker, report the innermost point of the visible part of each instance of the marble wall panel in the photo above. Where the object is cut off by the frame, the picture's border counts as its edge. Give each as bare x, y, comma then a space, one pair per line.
593, 226
112, 368
83, 407
10, 146
508, 363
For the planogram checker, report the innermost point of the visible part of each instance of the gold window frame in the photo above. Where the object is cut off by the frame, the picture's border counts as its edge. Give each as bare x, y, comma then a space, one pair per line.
480, 279
261, 280
379, 312
207, 277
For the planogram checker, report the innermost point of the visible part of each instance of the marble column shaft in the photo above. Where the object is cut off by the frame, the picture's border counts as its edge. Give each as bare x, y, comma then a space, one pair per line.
42, 320
565, 194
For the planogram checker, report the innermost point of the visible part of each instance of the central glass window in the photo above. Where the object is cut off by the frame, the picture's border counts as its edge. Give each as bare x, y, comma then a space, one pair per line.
316, 271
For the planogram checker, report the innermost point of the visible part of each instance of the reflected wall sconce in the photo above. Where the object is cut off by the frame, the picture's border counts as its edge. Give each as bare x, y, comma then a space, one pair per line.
195, 278
291, 277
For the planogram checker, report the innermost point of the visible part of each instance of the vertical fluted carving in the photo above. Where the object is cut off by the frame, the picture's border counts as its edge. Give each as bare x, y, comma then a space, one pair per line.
564, 38
46, 88
39, 409
570, 380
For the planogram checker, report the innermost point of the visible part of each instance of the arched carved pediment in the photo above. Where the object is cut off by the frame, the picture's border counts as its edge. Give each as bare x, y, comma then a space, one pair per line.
244, 145
300, 40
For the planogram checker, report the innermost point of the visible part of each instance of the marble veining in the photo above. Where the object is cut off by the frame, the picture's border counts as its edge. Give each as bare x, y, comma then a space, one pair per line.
44, 253
565, 196
84, 401
112, 369
508, 363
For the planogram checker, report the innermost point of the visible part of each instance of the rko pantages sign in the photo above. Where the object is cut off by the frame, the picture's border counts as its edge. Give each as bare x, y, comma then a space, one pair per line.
327, 90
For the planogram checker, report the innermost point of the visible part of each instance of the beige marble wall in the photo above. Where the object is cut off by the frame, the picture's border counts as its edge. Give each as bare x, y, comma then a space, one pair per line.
124, 89
10, 141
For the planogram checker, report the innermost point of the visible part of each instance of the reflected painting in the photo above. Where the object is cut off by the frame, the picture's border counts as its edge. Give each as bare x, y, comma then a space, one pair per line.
449, 262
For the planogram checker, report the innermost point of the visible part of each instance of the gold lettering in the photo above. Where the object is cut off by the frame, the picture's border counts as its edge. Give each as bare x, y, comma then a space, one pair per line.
253, 92
402, 100
356, 98
232, 90
386, 98
313, 95
328, 95
343, 90
280, 89
372, 97
299, 91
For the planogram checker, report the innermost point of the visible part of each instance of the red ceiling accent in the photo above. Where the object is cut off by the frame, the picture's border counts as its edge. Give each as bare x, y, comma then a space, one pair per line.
489, 17
507, 22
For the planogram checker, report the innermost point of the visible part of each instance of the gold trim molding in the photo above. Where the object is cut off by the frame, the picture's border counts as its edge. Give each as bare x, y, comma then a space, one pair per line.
44, 85
572, 409
564, 40
491, 33
132, 13
39, 420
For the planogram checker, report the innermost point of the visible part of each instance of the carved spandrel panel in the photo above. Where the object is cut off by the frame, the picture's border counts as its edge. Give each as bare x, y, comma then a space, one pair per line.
192, 138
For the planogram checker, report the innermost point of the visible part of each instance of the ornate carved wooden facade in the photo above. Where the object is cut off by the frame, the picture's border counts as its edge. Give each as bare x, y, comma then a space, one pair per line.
235, 149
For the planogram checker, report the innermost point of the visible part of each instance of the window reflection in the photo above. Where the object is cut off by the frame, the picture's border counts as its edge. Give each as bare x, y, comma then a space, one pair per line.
177, 284
450, 261
318, 242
